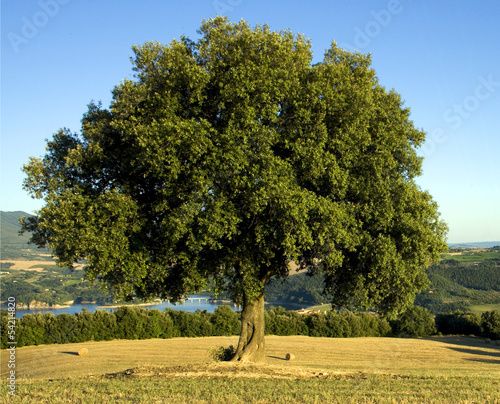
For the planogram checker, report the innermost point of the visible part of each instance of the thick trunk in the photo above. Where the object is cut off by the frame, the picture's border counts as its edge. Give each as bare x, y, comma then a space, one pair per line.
251, 346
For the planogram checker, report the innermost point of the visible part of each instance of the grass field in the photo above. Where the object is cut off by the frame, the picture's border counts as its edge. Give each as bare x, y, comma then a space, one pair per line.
471, 256
481, 308
359, 370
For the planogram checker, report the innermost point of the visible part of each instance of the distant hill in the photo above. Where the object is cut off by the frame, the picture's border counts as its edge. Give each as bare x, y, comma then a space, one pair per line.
10, 228
12, 244
484, 244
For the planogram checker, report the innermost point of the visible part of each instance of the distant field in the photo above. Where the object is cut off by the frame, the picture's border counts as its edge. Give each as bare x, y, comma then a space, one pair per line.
471, 256
481, 308
439, 370
32, 265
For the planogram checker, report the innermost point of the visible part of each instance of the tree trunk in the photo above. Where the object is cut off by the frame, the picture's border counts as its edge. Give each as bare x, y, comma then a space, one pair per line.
251, 346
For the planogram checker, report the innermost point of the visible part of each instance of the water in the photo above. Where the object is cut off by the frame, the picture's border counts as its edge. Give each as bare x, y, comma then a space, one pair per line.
191, 305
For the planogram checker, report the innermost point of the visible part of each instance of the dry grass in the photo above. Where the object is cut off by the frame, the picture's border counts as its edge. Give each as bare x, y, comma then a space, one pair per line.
437, 357
359, 370
33, 265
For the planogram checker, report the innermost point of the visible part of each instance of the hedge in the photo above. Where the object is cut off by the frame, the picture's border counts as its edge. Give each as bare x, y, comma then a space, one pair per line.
141, 323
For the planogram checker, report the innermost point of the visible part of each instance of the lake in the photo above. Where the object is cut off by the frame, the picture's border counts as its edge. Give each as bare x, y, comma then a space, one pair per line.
192, 304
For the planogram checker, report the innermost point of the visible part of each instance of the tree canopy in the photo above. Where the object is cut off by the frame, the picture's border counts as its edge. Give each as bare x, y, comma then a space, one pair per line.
229, 157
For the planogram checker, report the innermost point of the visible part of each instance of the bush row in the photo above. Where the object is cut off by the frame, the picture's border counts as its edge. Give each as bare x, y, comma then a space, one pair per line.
124, 323
141, 323
331, 324
468, 323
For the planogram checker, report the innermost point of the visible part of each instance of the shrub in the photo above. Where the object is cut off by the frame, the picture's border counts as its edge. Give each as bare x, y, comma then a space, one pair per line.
130, 323
187, 324
318, 325
225, 321
415, 322
222, 354
278, 321
31, 330
104, 326
87, 324
458, 323
490, 324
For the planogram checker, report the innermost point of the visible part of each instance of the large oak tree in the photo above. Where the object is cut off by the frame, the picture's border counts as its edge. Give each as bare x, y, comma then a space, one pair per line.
226, 159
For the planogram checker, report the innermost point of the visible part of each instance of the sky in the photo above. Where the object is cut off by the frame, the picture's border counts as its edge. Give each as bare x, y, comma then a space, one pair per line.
441, 56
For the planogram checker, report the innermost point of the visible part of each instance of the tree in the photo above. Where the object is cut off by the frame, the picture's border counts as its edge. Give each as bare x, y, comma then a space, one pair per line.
226, 159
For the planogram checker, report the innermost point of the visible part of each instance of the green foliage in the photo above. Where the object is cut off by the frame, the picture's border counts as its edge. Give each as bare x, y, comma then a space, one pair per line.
459, 323
490, 324
299, 289
331, 324
227, 158
278, 321
458, 285
24, 291
415, 322
140, 323
4, 322
222, 354
483, 275
225, 321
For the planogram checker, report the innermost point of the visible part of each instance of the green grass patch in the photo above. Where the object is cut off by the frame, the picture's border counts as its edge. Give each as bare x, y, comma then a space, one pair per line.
345, 388
481, 308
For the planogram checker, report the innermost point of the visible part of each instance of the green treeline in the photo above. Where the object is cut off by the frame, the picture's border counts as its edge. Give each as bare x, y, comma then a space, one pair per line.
142, 323
300, 289
483, 275
458, 285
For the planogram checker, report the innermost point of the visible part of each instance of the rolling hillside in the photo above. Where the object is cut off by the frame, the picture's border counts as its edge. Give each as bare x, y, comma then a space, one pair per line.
10, 229
12, 244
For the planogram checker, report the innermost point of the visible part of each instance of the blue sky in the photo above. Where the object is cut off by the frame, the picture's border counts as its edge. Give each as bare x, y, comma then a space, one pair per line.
441, 56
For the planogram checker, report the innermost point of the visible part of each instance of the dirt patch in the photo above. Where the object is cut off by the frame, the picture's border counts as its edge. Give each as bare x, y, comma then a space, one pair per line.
234, 370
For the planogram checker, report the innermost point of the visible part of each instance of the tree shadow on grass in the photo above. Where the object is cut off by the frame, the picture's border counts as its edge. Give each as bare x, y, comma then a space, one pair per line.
481, 354
493, 361
463, 341
472, 346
